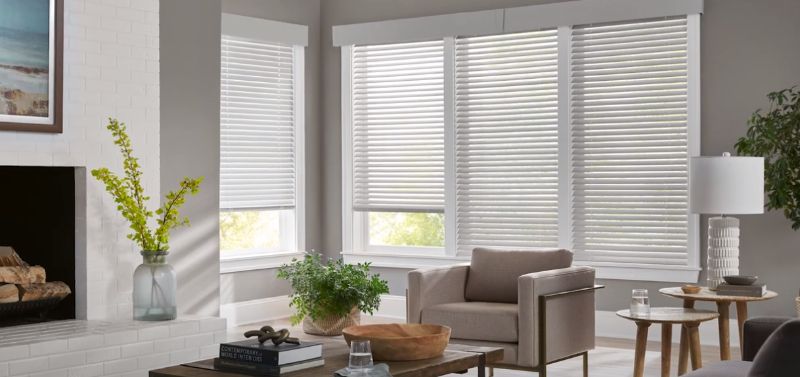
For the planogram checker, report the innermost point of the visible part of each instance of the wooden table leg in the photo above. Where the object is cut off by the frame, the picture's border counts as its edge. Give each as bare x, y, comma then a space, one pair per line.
723, 307
666, 348
741, 316
694, 345
482, 365
683, 351
641, 347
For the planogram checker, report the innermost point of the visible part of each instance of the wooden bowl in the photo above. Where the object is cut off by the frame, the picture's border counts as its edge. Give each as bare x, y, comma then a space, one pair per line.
400, 341
690, 289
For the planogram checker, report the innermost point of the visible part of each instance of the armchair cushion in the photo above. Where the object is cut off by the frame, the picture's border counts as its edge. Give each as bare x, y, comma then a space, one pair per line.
493, 273
487, 321
756, 332
778, 355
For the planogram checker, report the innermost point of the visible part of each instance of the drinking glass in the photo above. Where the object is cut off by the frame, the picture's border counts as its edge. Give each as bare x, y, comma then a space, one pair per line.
640, 303
360, 357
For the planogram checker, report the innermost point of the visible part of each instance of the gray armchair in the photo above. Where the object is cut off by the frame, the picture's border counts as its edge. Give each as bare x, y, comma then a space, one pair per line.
771, 348
513, 300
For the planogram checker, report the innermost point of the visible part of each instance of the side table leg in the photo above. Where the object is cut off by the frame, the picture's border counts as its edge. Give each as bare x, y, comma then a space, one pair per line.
723, 307
694, 345
482, 365
666, 348
683, 351
641, 347
741, 316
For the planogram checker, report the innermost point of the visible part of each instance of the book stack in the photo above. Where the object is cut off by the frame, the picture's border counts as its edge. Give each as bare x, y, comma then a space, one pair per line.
256, 359
755, 290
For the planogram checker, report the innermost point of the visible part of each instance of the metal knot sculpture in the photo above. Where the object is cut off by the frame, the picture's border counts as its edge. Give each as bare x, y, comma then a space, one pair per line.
268, 333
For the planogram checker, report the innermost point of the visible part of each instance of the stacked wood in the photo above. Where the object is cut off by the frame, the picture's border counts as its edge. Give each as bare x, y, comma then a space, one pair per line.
53, 289
22, 282
9, 293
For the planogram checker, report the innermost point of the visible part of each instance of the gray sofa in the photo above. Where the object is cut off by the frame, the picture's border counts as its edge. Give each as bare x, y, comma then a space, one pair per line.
771, 349
532, 303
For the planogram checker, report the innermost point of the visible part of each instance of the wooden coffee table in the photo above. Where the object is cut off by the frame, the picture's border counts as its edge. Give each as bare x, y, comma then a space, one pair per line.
689, 319
723, 307
456, 358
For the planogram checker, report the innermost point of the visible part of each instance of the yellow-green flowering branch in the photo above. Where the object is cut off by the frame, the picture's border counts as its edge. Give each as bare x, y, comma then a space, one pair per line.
131, 200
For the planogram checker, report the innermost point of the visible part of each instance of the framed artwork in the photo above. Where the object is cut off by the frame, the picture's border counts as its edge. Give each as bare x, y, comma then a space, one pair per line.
31, 64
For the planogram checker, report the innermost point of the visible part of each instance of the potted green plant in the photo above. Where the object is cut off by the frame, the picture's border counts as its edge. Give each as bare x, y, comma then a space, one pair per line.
330, 296
775, 135
154, 282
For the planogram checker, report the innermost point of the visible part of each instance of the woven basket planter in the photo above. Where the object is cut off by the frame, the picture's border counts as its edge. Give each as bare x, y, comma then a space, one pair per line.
331, 325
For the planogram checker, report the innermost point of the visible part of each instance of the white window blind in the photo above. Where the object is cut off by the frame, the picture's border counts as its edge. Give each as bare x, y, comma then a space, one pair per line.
398, 127
629, 141
257, 148
506, 103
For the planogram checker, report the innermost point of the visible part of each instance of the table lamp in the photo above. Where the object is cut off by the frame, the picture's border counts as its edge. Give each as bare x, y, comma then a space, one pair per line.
725, 186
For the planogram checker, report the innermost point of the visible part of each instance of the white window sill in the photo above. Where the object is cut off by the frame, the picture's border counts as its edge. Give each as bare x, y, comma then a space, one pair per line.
675, 274
238, 263
410, 261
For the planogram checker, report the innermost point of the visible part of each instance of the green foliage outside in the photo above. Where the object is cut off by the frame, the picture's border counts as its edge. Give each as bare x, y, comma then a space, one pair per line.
244, 230
775, 135
131, 200
331, 289
406, 228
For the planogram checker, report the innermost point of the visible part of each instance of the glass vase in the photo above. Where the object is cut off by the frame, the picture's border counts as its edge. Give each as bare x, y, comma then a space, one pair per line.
154, 288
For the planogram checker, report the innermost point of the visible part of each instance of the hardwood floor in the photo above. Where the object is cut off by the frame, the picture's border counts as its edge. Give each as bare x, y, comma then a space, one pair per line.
612, 357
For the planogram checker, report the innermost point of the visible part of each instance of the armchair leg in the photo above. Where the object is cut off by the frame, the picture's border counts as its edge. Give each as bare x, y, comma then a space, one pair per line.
491, 371
543, 371
586, 364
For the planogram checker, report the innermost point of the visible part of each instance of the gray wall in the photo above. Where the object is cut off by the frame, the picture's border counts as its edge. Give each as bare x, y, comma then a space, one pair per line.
250, 285
748, 49
190, 69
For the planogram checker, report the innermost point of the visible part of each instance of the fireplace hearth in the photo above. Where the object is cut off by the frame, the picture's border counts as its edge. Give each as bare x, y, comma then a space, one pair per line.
37, 220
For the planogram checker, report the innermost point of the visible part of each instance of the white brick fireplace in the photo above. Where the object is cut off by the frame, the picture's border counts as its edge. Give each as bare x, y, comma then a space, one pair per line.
111, 69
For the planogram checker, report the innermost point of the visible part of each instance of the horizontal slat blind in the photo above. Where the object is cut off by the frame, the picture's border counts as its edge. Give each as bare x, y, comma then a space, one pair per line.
629, 140
507, 141
398, 127
257, 162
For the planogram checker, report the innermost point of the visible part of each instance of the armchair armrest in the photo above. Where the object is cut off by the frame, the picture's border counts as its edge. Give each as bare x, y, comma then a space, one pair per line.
433, 286
756, 332
568, 318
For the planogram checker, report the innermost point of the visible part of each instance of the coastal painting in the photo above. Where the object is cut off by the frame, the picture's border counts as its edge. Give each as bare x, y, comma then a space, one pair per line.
30, 65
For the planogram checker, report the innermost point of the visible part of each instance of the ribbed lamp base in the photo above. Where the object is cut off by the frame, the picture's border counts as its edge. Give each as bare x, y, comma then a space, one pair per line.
723, 249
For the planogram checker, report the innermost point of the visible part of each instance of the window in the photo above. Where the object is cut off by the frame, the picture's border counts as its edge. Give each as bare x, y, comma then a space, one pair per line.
261, 136
398, 145
566, 136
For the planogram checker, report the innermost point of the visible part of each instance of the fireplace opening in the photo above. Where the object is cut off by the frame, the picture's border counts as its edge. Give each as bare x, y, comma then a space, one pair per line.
37, 220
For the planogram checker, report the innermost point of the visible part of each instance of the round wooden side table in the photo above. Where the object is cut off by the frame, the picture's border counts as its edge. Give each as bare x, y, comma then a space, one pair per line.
688, 318
723, 307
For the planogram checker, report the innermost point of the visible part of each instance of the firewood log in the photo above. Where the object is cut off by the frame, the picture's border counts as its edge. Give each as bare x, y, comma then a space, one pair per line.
8, 293
30, 292
10, 258
22, 275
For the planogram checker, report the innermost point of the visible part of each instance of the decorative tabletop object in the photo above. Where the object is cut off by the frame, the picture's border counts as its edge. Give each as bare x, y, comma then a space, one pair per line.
268, 333
740, 279
690, 288
723, 308
328, 297
689, 319
720, 186
154, 282
401, 341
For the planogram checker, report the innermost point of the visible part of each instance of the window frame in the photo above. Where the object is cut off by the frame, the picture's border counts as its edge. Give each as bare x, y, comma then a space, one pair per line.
292, 225
355, 249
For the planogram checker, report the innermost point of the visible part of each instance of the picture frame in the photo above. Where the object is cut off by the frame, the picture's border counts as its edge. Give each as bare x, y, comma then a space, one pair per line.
31, 65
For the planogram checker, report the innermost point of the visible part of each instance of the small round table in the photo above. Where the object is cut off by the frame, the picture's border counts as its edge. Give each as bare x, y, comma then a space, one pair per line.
723, 307
688, 318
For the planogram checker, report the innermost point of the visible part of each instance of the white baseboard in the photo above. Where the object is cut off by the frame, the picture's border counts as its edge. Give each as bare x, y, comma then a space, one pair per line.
260, 310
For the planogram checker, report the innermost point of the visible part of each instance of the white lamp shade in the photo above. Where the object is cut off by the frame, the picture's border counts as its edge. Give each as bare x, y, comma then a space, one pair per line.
726, 185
